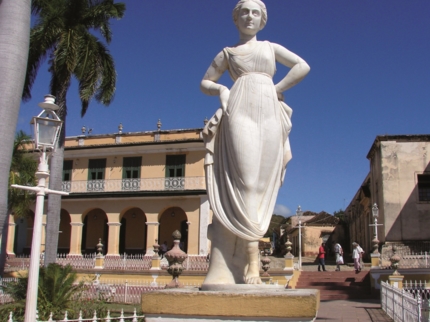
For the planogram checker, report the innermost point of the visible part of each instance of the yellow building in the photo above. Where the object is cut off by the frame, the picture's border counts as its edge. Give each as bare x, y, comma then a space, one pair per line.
128, 189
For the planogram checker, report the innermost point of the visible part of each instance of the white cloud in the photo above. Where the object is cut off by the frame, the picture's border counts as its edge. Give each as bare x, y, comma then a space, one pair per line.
282, 210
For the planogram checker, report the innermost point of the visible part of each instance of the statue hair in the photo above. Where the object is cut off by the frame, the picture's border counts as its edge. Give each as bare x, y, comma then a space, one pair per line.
262, 7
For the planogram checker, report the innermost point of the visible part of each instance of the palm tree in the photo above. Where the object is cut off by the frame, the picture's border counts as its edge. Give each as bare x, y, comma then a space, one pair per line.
58, 291
14, 42
64, 32
22, 172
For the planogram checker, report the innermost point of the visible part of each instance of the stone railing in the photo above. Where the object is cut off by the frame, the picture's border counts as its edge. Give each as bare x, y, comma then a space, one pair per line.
119, 291
414, 255
196, 263
144, 184
128, 262
86, 261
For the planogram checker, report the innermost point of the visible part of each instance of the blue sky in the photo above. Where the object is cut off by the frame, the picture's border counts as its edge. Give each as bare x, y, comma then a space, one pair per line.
370, 75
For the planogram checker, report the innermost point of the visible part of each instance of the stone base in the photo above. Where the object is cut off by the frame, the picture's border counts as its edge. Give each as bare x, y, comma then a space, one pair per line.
231, 303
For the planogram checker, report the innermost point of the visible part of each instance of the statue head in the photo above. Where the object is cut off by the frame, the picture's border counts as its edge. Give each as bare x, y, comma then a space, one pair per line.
261, 5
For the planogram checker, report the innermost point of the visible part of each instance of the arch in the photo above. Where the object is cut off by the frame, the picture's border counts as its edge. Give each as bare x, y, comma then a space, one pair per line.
64, 233
23, 234
171, 219
95, 227
133, 232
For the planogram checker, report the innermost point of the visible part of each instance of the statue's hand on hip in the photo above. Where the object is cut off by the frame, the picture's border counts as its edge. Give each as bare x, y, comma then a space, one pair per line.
223, 97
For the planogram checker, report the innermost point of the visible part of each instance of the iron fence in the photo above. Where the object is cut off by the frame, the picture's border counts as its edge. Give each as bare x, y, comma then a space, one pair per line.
401, 305
94, 318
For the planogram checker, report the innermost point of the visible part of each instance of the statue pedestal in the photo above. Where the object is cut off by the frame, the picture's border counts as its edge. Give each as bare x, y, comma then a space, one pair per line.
241, 302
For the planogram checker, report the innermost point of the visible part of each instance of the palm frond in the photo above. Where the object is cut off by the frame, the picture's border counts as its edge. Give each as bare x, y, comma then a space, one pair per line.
106, 90
22, 172
43, 39
100, 12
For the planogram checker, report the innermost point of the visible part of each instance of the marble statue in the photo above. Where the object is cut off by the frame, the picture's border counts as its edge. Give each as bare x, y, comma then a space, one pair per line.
247, 145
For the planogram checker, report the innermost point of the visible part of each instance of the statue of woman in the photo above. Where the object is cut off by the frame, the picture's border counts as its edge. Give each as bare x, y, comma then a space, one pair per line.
247, 145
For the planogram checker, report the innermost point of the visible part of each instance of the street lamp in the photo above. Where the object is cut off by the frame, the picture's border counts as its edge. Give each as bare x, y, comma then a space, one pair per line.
47, 126
299, 214
375, 241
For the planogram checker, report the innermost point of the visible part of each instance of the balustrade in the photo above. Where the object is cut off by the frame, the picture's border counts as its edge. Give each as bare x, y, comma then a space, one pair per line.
143, 184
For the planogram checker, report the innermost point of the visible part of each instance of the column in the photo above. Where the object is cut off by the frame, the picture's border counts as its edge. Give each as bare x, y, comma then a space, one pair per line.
204, 222
76, 239
113, 242
11, 238
151, 236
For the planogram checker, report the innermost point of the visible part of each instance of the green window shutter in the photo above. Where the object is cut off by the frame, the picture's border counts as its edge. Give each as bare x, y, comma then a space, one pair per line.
175, 166
131, 168
96, 169
67, 170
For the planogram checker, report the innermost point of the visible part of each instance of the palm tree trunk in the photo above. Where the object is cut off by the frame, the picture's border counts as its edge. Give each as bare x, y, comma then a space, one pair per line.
14, 43
54, 206
53, 215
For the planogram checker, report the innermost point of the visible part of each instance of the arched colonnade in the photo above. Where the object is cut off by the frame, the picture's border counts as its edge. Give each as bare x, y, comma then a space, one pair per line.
128, 231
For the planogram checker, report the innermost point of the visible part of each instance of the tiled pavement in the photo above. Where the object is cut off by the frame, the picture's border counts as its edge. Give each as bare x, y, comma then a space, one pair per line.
346, 310
352, 310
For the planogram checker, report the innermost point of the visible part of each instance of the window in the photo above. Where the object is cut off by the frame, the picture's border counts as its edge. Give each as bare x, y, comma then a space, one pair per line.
424, 187
96, 175
67, 170
131, 173
175, 172
131, 168
67, 176
175, 166
96, 169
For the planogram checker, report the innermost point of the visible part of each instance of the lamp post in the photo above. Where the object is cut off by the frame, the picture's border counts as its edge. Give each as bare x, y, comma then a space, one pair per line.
47, 126
375, 256
299, 214
375, 241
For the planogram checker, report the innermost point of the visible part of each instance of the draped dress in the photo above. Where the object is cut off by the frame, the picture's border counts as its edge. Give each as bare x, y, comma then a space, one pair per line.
247, 147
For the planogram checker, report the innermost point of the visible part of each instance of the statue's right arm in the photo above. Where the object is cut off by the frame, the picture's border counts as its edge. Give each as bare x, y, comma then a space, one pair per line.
209, 84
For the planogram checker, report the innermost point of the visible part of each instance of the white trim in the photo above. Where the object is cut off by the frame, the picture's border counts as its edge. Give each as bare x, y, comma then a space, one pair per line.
152, 223
114, 224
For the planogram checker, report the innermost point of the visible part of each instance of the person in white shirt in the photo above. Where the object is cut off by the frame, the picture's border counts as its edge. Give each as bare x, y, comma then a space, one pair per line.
357, 253
339, 255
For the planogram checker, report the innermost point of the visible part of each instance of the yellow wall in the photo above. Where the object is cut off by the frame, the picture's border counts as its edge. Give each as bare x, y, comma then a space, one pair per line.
153, 165
152, 208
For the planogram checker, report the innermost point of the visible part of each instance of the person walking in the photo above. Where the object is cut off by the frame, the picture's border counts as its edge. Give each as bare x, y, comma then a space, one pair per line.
321, 257
357, 253
339, 255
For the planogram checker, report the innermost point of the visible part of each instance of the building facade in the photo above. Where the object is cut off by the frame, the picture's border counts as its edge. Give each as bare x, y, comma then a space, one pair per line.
399, 183
129, 190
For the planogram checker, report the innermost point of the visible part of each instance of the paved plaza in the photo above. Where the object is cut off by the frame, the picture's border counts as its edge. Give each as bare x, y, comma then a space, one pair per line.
352, 310
344, 310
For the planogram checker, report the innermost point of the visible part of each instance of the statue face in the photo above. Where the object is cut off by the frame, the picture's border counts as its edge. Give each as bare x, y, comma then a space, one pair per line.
249, 19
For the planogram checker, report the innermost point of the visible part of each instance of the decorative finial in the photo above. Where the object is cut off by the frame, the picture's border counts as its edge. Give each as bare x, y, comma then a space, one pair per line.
120, 128
395, 259
99, 247
84, 129
159, 125
156, 249
175, 257
49, 103
288, 245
